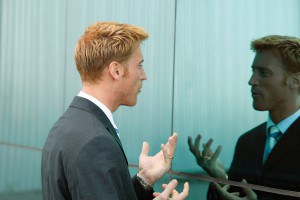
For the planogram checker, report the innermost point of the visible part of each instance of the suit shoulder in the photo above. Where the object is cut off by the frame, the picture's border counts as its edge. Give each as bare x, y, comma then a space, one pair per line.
254, 132
74, 130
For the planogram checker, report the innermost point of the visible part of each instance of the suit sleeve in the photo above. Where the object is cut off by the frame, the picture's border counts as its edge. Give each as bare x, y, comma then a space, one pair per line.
100, 172
212, 194
141, 193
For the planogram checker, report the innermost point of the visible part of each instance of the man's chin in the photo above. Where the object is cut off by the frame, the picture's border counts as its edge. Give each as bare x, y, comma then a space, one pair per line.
130, 104
259, 107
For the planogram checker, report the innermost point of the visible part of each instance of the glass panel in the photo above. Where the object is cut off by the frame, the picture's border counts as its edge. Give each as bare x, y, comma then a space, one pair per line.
212, 69
32, 47
198, 61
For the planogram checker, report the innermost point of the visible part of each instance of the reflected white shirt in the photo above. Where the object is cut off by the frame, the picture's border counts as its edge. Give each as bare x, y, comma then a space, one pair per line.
284, 124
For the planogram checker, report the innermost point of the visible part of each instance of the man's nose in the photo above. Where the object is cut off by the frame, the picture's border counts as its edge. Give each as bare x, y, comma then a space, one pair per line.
143, 75
253, 80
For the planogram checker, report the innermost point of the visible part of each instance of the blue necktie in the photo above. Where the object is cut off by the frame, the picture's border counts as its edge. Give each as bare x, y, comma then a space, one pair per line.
117, 131
273, 136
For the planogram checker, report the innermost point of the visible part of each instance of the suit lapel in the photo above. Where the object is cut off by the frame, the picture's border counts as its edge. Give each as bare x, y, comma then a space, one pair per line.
289, 139
89, 106
261, 140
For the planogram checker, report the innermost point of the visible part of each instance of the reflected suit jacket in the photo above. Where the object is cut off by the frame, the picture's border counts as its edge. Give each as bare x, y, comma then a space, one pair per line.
83, 158
281, 169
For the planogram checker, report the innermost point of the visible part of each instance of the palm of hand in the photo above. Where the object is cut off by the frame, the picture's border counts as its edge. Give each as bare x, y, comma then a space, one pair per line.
213, 167
226, 195
152, 168
155, 166
207, 159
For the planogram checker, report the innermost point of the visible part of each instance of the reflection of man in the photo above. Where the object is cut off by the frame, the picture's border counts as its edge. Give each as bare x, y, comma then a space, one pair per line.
83, 156
269, 154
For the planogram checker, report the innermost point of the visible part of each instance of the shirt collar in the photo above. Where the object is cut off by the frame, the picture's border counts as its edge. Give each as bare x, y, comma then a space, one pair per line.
284, 124
106, 111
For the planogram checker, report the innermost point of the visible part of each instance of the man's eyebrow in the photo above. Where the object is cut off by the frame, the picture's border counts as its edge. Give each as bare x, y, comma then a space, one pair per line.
141, 61
258, 67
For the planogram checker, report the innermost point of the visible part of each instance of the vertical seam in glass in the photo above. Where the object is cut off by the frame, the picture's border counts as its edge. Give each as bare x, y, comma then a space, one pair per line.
0, 28
65, 59
174, 59
173, 81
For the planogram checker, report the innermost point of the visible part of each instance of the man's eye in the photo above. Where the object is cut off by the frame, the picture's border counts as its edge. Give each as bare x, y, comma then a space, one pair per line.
265, 74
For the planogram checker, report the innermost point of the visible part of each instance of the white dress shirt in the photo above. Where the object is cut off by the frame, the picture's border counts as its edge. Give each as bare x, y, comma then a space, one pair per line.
106, 111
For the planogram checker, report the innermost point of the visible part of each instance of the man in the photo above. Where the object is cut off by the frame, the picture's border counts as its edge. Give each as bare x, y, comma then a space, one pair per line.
269, 154
83, 156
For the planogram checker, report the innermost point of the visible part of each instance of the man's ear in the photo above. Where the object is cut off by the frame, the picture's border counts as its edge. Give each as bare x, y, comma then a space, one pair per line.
294, 81
116, 70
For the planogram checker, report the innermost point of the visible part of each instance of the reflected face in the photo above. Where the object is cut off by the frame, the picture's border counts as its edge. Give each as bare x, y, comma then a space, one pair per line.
268, 82
132, 80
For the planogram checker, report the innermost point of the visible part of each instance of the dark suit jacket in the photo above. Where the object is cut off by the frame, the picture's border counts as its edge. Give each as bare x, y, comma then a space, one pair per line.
281, 169
83, 158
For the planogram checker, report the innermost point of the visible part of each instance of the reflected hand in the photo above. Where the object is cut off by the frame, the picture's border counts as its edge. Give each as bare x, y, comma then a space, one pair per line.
170, 193
207, 159
152, 168
225, 195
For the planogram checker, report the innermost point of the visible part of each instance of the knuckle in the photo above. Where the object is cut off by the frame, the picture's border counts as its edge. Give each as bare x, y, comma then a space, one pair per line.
164, 197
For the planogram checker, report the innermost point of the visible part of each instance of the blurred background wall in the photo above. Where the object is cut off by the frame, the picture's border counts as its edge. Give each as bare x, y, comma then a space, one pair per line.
197, 60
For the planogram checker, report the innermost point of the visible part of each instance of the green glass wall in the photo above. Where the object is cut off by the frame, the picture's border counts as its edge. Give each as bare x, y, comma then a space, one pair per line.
197, 61
32, 65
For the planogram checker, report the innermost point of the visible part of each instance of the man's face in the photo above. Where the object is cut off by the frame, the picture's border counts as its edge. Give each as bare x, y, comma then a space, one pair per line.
268, 82
132, 80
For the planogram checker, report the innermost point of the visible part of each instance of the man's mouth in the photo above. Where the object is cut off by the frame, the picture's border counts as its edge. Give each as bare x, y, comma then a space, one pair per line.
256, 93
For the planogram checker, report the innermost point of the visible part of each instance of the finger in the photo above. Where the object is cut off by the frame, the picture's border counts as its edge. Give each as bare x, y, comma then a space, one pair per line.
217, 153
167, 159
185, 192
170, 187
196, 145
145, 149
164, 186
156, 194
171, 145
236, 194
209, 142
250, 193
220, 190
226, 187
172, 140
174, 193
206, 147
190, 143
174, 137
217, 187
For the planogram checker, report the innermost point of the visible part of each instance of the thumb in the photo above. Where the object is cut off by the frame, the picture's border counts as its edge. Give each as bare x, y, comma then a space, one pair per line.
170, 187
145, 149
168, 190
250, 193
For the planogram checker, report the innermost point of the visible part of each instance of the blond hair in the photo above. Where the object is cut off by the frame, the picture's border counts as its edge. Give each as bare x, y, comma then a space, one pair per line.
286, 48
102, 43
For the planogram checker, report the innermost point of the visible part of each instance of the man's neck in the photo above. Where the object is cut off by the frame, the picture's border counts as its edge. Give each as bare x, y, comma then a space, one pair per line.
102, 94
280, 114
